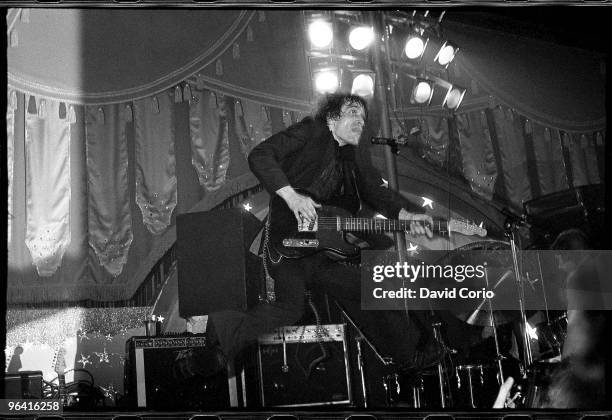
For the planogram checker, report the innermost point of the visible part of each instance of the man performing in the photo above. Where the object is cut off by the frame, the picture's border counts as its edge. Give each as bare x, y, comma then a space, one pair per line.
312, 162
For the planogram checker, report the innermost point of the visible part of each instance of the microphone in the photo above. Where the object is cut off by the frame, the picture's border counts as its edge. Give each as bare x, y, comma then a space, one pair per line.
402, 140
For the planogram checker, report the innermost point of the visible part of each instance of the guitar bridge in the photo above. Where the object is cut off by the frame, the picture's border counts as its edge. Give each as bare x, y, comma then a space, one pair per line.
300, 243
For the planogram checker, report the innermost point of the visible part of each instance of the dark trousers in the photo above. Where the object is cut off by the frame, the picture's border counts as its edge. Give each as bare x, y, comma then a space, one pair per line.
390, 331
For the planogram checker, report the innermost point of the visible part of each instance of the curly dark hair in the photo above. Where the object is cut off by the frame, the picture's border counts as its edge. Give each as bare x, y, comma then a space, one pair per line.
331, 105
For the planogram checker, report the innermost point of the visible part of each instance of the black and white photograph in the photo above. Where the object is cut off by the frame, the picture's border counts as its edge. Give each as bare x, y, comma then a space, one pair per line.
341, 210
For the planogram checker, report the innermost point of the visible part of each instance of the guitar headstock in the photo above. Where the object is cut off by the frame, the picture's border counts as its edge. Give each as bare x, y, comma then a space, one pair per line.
466, 228
59, 361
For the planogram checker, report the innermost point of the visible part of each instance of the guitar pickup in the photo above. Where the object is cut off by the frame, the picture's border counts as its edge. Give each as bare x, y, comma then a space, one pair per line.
300, 243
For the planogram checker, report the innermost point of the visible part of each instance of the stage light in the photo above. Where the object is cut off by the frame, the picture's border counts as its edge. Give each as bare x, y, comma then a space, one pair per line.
446, 54
422, 92
320, 33
363, 85
415, 47
454, 97
326, 81
361, 37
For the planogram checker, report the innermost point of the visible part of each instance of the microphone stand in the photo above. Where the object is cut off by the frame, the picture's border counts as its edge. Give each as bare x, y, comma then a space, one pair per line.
511, 227
386, 361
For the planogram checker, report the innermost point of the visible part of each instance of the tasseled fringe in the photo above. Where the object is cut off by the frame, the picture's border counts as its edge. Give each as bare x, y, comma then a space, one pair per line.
566, 140
12, 99
528, 127
178, 95
42, 109
187, 94
71, 115
45, 296
238, 110
32, 105
101, 116
129, 113
155, 105
62, 112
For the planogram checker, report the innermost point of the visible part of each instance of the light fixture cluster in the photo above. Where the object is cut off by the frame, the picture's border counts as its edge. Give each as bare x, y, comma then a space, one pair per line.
418, 48
338, 52
424, 90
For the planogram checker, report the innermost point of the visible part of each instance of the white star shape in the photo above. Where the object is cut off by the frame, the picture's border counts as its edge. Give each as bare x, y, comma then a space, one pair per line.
385, 183
427, 202
412, 247
84, 360
109, 391
160, 318
109, 337
247, 206
82, 335
103, 356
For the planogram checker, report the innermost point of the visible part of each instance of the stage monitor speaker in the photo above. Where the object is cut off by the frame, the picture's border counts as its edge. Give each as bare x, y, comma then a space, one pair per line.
25, 384
304, 366
153, 380
216, 271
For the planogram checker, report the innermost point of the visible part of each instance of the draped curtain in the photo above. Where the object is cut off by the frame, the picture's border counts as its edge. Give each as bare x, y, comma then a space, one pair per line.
123, 207
93, 146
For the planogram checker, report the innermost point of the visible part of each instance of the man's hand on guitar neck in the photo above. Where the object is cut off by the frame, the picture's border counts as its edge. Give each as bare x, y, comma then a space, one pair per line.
420, 223
303, 207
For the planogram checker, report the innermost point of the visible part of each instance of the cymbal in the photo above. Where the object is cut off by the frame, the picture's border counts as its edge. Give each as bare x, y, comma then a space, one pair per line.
482, 318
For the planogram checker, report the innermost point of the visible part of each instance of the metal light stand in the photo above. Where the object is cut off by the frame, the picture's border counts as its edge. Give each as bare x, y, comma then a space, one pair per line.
361, 337
511, 231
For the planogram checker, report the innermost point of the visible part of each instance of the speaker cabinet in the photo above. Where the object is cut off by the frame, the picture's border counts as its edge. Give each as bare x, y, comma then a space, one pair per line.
304, 366
25, 384
216, 271
153, 380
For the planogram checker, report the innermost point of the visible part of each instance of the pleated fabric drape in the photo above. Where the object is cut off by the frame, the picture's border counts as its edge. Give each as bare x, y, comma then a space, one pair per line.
156, 193
109, 215
47, 143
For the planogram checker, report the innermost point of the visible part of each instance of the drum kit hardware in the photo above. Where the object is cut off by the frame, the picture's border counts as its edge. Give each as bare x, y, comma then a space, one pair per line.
452, 380
475, 383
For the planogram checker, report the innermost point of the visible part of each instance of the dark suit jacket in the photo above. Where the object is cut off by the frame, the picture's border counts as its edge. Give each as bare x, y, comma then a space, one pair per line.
297, 155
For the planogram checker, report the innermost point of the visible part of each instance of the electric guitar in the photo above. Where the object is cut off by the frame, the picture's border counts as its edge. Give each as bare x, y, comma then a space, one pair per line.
59, 366
333, 229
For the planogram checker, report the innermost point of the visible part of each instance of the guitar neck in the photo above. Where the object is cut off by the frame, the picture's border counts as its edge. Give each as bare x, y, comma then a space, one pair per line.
62, 388
361, 224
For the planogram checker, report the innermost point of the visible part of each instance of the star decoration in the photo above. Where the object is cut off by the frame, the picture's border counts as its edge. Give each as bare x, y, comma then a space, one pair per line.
385, 183
160, 318
109, 391
84, 360
412, 247
247, 206
427, 202
82, 335
108, 337
103, 356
